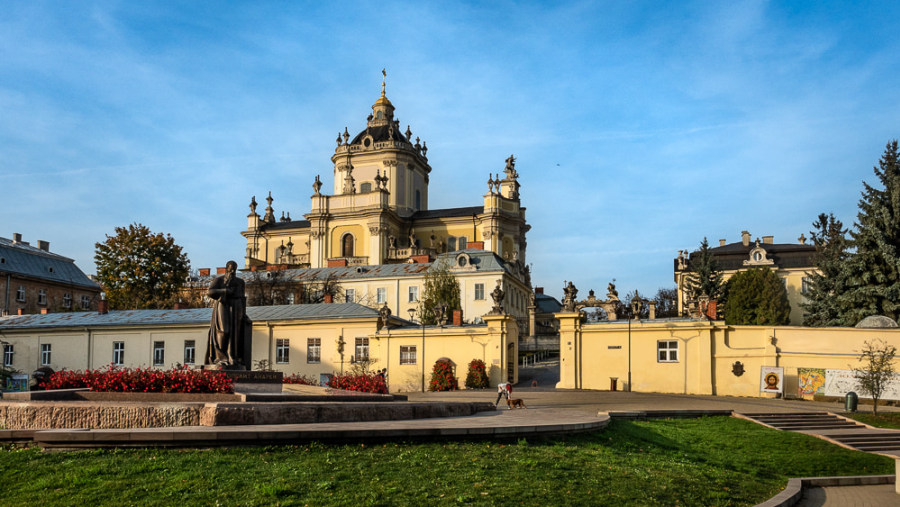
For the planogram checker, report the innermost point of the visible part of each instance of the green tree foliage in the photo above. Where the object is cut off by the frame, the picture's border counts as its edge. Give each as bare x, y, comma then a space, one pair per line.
666, 302
139, 269
477, 377
706, 279
442, 378
441, 287
757, 297
876, 370
821, 305
872, 273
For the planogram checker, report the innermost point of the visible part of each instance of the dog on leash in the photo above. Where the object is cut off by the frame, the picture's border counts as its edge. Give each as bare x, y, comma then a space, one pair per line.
515, 403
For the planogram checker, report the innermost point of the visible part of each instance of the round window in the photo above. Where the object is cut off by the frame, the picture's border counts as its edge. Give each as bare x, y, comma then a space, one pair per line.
462, 261
367, 142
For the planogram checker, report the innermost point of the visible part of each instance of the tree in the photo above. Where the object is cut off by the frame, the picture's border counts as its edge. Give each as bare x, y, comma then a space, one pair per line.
442, 377
757, 297
441, 288
706, 277
877, 369
666, 302
821, 306
477, 377
268, 288
872, 273
139, 269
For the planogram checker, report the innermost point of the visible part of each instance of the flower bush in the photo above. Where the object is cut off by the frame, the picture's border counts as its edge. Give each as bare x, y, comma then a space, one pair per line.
296, 378
477, 377
442, 378
142, 380
363, 383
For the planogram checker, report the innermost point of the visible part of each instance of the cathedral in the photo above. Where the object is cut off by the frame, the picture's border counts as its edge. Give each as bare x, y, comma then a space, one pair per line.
378, 215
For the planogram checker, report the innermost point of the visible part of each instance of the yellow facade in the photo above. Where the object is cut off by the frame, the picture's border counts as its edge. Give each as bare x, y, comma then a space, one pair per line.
592, 354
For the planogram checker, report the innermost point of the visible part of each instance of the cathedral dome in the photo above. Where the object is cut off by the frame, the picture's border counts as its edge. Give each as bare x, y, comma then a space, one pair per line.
380, 133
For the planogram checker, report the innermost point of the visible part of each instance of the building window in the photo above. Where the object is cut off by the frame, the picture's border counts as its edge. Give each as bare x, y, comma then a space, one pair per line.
479, 291
67, 300
418, 200
290, 298
407, 354
85, 302
118, 353
362, 349
381, 295
349, 295
667, 351
805, 285
313, 350
189, 351
365, 188
45, 354
8, 352
42, 296
347, 245
159, 353
462, 243
413, 294
20, 294
282, 351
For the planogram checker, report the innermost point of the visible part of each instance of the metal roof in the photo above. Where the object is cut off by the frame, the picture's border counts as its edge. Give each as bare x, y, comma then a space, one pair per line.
118, 318
22, 259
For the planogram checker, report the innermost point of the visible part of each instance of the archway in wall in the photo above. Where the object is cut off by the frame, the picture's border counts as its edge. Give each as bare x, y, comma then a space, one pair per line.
347, 245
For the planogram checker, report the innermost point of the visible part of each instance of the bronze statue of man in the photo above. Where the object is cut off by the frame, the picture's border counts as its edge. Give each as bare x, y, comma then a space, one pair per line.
229, 328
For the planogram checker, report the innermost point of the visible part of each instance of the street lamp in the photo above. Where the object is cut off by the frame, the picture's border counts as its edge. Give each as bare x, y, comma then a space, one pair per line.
412, 313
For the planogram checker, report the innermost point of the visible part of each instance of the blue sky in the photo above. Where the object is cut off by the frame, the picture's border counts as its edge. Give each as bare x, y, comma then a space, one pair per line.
639, 127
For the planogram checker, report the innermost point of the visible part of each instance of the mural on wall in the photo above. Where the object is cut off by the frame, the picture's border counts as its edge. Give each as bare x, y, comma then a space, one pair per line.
771, 379
840, 382
812, 381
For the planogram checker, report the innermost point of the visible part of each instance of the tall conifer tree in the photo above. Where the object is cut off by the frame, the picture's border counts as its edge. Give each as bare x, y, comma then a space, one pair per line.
821, 305
872, 273
707, 278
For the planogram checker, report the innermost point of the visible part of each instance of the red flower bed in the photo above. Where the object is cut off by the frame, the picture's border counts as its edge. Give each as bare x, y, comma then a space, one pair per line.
142, 380
442, 378
296, 378
477, 377
363, 383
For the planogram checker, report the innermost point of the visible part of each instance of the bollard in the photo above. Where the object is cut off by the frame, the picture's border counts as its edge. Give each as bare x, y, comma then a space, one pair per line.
851, 402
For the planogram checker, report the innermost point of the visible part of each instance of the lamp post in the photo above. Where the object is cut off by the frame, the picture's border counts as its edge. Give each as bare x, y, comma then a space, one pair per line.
412, 313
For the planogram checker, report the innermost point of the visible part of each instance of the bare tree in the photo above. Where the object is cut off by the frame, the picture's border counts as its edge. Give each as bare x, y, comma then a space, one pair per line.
877, 369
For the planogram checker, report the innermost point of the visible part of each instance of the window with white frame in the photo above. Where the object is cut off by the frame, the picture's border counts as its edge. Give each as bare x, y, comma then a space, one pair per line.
313, 350
85, 302
350, 295
479, 291
46, 349
381, 295
462, 243
290, 298
42, 296
362, 349
414, 294
20, 294
8, 353
407, 354
805, 286
159, 353
667, 351
118, 353
67, 300
190, 349
451, 244
283, 351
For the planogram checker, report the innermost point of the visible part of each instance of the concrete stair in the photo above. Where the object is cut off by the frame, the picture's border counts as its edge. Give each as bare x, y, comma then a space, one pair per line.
869, 441
803, 421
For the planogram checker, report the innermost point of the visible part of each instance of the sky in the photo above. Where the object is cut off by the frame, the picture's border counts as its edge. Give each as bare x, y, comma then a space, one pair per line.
639, 128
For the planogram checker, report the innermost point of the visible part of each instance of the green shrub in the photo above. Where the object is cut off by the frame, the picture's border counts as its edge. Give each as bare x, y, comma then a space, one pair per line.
442, 378
477, 377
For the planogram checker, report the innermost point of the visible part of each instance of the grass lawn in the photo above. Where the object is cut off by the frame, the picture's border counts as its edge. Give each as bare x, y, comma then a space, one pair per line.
882, 420
708, 461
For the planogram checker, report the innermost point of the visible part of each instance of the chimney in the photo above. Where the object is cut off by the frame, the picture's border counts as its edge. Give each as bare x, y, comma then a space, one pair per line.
45, 311
204, 271
538, 290
745, 238
476, 245
17, 238
329, 299
180, 306
20, 311
722, 242
103, 304
768, 240
44, 245
220, 271
457, 317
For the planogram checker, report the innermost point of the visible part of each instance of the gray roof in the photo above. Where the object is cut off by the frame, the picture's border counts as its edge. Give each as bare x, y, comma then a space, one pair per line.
184, 317
546, 304
22, 259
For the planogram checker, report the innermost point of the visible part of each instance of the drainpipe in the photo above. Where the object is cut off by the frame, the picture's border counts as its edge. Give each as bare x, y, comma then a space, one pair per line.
90, 348
271, 328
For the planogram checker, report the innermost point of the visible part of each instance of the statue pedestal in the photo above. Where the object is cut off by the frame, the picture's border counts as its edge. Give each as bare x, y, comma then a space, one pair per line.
252, 381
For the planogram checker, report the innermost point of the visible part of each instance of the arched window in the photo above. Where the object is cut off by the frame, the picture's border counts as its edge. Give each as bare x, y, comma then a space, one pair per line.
347, 245
418, 200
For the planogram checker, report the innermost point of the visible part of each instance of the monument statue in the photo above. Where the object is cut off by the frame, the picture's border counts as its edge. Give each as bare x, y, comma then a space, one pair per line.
229, 328
497, 295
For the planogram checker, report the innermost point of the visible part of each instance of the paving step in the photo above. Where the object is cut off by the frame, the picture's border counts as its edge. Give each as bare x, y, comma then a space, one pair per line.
803, 421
